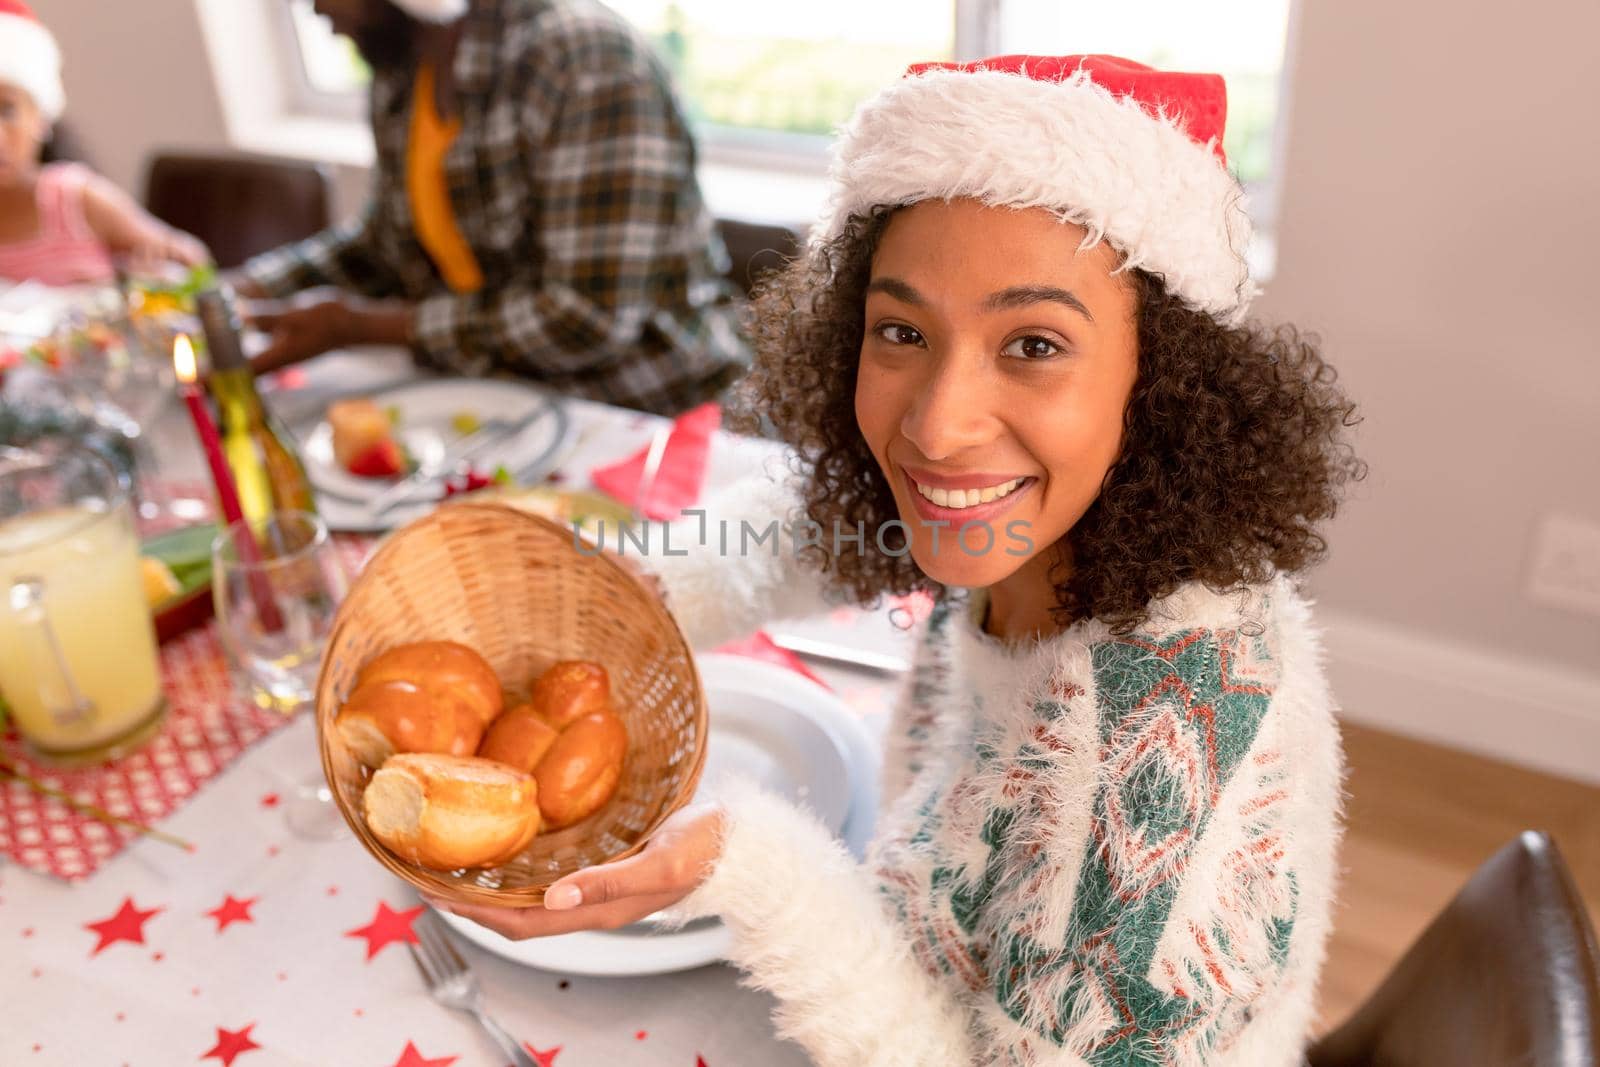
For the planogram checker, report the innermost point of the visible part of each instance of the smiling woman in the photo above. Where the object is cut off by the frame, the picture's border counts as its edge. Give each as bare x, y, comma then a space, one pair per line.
1015, 368
1152, 415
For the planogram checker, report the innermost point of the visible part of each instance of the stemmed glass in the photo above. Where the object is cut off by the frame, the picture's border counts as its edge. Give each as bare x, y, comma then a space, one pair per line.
277, 584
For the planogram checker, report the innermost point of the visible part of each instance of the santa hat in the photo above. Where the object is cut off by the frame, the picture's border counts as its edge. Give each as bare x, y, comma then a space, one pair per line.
1133, 155
433, 10
30, 59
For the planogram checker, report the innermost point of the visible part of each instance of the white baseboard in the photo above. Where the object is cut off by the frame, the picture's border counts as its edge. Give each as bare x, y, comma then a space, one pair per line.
1516, 709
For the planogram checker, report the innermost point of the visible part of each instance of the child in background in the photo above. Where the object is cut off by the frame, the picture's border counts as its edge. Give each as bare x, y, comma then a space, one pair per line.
61, 223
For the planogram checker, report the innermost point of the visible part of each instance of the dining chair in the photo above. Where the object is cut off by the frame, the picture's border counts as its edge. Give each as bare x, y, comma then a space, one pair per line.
1507, 975
239, 205
756, 249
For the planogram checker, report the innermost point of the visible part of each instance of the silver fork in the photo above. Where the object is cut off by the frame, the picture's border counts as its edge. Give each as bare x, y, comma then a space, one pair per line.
453, 985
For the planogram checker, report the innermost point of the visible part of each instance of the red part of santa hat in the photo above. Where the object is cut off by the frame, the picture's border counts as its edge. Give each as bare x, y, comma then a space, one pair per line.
30, 58
1132, 154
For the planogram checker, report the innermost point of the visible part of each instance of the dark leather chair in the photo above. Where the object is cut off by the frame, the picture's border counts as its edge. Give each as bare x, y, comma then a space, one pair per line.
1508, 975
239, 205
755, 249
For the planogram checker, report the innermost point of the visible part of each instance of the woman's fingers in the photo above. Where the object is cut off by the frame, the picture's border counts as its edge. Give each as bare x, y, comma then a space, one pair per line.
649, 873
520, 924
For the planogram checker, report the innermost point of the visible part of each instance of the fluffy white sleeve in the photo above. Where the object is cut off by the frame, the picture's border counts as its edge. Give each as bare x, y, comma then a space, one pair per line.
811, 928
735, 570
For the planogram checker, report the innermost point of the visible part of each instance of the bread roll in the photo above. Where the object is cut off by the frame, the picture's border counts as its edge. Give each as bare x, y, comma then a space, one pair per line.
519, 738
570, 690
450, 812
581, 770
382, 718
444, 667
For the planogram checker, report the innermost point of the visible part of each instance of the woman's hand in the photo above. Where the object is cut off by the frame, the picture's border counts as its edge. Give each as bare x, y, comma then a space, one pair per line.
612, 895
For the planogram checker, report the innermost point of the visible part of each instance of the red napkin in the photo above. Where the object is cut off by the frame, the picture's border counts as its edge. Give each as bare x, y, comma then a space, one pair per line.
760, 646
682, 474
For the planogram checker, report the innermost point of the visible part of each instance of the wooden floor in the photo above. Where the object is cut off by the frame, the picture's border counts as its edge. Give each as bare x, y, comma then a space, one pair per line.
1420, 820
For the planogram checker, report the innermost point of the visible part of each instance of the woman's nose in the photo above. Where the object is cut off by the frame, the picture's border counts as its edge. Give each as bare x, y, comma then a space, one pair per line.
951, 409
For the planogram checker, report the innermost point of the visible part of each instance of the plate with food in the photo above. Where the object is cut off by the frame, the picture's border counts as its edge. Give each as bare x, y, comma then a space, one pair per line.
380, 460
768, 724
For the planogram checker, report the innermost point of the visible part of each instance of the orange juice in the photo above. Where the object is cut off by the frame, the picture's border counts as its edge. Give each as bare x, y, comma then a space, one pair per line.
77, 648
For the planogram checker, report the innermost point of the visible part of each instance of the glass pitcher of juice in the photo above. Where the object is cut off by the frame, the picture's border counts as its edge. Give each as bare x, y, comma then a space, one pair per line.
77, 647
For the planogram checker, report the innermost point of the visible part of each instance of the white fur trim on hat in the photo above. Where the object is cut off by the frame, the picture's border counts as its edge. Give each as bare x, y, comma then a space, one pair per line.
434, 10
30, 60
1165, 202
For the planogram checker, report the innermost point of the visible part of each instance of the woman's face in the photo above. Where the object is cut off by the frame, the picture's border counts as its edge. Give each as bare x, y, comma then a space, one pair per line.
995, 368
22, 131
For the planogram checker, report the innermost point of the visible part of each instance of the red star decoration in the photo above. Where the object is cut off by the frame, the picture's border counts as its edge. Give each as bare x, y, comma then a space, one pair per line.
547, 1058
699, 1061
233, 911
412, 1058
269, 800
126, 925
230, 1043
387, 927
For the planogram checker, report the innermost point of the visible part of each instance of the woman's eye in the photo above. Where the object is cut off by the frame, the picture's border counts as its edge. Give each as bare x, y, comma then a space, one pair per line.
1031, 347
900, 334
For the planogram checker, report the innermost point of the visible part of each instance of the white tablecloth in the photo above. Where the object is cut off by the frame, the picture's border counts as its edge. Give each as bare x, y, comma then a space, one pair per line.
250, 949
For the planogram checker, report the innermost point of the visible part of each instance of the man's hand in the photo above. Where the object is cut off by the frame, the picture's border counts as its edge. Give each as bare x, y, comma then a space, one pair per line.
612, 895
310, 327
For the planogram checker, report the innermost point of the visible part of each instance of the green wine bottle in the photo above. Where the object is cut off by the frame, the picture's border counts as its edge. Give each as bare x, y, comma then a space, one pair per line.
260, 451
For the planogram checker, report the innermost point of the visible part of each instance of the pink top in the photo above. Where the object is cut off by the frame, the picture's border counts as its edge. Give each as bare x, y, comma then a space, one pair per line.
66, 251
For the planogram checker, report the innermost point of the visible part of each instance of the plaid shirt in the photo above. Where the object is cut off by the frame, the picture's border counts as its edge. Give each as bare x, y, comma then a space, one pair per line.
573, 182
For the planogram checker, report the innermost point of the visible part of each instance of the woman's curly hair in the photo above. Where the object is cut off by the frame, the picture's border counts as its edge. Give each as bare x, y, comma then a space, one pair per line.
1233, 449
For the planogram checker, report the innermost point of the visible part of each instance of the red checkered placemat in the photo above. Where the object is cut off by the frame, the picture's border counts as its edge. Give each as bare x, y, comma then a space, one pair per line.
206, 729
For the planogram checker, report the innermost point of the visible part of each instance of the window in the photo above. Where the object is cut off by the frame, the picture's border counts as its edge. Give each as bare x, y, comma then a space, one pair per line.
326, 75
329, 63
767, 84
784, 77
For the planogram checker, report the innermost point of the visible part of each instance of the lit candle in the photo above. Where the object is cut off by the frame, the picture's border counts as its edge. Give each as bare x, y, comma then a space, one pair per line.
227, 492
249, 552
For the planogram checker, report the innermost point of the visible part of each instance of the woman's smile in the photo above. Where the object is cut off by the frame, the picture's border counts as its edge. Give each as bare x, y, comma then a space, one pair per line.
963, 498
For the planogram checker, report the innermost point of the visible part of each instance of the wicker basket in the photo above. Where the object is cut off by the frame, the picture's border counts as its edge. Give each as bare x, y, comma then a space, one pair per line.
515, 587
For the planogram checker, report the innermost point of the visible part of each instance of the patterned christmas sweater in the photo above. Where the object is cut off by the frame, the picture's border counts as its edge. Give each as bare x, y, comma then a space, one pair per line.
1093, 849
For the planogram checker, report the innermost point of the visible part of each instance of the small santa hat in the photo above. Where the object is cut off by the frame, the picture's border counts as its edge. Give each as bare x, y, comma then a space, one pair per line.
434, 10
30, 58
1132, 154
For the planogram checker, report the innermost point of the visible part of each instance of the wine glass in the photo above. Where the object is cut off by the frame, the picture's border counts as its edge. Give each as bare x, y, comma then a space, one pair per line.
277, 583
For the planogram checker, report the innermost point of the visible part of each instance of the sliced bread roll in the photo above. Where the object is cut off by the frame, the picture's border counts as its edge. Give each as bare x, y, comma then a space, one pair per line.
451, 812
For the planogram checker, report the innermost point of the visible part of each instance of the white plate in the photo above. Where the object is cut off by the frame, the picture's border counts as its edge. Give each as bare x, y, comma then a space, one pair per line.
426, 411
807, 739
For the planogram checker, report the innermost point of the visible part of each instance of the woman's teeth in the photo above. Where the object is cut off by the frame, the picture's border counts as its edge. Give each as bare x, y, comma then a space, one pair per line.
967, 498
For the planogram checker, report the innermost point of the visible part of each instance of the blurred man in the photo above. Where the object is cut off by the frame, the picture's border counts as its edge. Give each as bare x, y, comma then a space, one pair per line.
534, 210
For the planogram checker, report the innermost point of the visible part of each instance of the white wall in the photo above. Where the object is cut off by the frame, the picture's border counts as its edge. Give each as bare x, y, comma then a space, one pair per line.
1440, 220
138, 80
1440, 214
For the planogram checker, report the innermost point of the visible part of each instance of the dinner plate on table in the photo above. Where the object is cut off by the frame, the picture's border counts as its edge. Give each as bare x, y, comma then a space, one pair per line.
434, 422
768, 724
